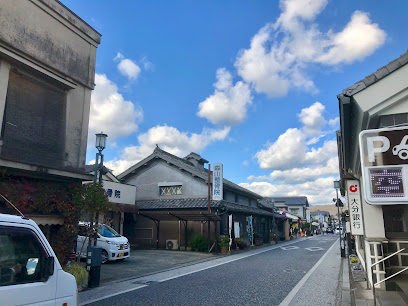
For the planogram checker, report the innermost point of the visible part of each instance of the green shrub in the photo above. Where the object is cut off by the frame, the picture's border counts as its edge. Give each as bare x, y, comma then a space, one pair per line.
199, 243
80, 273
223, 241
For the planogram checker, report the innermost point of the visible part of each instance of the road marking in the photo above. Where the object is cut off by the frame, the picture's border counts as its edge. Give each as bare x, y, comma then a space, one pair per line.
112, 295
238, 257
299, 285
312, 249
289, 248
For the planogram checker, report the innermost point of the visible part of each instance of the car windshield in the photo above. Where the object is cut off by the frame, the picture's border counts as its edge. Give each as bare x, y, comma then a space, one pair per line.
106, 231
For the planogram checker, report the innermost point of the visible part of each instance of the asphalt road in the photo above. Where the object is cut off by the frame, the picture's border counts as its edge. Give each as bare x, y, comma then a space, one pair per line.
265, 278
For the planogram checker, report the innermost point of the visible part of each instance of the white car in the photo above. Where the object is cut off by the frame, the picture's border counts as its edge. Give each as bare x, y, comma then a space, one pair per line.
338, 230
114, 246
30, 273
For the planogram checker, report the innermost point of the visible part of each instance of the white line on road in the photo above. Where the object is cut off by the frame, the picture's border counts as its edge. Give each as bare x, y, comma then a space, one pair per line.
299, 285
113, 294
225, 261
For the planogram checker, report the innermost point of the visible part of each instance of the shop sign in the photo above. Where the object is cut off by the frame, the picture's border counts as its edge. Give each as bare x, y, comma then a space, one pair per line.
354, 201
118, 193
384, 164
236, 229
217, 182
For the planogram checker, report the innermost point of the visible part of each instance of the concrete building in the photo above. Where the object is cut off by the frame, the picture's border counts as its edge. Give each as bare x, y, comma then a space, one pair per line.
47, 68
378, 101
172, 198
293, 205
323, 217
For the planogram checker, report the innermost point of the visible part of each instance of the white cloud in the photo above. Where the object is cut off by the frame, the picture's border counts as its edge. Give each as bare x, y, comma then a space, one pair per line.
359, 39
334, 122
245, 163
300, 164
319, 191
284, 152
313, 119
110, 112
300, 175
169, 139
229, 103
127, 67
280, 53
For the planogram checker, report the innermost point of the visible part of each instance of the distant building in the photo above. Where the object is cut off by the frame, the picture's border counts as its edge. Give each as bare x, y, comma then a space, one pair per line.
293, 205
172, 198
323, 217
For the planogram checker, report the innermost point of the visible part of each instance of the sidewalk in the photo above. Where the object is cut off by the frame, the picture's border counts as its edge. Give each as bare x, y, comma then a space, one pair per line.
327, 283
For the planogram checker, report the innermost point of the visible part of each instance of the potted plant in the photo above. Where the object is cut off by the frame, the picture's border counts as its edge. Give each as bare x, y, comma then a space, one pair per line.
223, 242
241, 243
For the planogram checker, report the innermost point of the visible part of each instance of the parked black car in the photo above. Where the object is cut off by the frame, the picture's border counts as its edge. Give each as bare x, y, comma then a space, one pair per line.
329, 230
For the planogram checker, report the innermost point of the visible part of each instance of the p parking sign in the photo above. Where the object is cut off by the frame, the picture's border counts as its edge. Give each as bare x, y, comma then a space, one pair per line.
384, 164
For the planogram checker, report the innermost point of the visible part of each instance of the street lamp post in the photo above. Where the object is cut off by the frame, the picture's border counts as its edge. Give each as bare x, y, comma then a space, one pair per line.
94, 253
337, 187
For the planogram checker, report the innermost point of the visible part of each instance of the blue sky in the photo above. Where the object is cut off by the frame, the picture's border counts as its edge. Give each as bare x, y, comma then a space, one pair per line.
250, 84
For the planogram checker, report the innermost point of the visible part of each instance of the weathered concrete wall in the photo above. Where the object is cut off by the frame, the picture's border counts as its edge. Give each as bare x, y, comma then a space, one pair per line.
46, 41
54, 37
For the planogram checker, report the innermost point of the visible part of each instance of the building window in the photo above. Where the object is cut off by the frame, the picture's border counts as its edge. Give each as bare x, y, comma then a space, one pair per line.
294, 211
34, 122
171, 190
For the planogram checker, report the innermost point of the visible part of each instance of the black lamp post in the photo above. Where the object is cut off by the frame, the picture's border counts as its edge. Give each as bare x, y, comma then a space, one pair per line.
94, 252
100, 145
337, 186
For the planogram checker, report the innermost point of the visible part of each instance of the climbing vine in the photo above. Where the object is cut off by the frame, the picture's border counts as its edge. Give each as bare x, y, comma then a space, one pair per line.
44, 197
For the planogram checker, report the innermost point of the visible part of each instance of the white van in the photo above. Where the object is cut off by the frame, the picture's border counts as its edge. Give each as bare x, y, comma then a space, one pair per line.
114, 246
29, 270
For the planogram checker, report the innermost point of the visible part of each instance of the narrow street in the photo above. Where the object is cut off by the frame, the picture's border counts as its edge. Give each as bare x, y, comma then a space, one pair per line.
292, 272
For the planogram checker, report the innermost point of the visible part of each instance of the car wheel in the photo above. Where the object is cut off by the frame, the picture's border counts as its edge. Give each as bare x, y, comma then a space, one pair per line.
403, 154
104, 257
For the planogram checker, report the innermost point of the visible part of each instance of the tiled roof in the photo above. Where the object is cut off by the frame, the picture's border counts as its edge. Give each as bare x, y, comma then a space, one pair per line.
376, 76
175, 204
186, 165
228, 206
202, 203
291, 200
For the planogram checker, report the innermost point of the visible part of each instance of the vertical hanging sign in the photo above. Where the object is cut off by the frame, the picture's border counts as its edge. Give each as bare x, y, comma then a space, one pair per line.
230, 230
354, 201
250, 231
217, 182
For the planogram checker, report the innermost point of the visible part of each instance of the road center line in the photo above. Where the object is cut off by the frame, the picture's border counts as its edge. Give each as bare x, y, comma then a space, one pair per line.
299, 285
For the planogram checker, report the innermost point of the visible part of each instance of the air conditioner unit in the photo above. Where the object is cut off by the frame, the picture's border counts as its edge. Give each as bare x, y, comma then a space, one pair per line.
172, 245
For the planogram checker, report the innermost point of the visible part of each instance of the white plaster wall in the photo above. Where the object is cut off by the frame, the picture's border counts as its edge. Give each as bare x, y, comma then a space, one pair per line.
160, 172
384, 90
373, 218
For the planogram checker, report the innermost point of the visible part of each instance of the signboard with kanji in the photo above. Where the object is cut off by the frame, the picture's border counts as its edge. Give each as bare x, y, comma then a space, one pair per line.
384, 164
354, 201
119, 193
217, 182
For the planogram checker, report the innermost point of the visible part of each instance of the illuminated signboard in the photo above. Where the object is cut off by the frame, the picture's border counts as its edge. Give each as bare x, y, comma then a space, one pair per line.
384, 163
